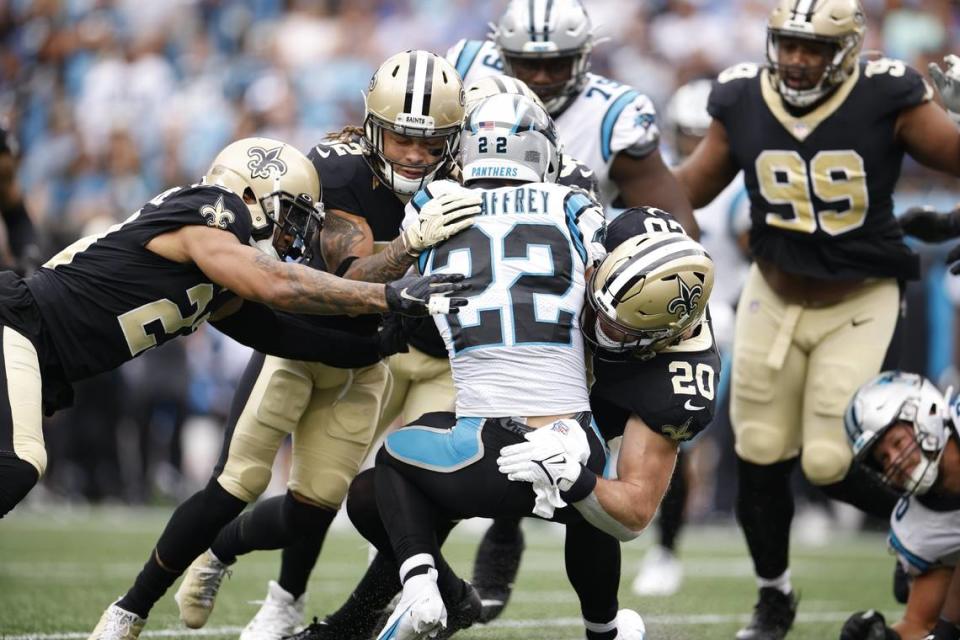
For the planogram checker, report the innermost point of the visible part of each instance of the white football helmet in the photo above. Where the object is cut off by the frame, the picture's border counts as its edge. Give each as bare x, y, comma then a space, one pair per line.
509, 137
889, 398
494, 85
547, 29
687, 109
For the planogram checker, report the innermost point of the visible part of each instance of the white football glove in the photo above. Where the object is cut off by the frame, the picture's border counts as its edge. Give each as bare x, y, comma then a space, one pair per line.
948, 83
441, 218
551, 455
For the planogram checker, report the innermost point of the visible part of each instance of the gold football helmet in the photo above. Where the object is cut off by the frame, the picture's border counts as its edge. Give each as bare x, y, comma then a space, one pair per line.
280, 187
416, 94
647, 293
840, 23
495, 85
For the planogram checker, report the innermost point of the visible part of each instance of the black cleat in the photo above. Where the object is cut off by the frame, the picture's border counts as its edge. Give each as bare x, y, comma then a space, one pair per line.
463, 614
901, 584
772, 616
324, 630
494, 571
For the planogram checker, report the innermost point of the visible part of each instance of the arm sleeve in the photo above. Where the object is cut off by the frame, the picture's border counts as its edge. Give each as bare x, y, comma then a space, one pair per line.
594, 513
298, 337
586, 224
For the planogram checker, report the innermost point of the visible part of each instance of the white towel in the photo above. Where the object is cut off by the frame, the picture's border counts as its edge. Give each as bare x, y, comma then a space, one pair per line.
547, 499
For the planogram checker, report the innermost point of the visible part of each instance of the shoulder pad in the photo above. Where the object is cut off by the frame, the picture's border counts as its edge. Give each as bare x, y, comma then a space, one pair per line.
337, 162
729, 84
207, 204
636, 221
900, 83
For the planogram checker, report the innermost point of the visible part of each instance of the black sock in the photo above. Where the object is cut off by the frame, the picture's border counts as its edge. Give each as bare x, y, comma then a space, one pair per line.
865, 491
602, 635
188, 533
17, 478
297, 562
595, 576
272, 524
360, 613
765, 510
498, 556
671, 508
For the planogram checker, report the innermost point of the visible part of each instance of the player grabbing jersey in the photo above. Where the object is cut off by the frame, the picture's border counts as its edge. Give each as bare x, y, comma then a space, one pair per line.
820, 137
607, 126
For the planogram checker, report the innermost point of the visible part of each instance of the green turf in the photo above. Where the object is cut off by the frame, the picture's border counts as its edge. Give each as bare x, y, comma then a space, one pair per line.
59, 570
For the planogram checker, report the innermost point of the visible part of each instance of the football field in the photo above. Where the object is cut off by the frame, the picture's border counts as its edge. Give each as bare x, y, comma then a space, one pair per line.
60, 569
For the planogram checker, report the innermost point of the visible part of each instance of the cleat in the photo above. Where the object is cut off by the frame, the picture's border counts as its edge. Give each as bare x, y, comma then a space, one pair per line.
660, 573
420, 612
772, 616
118, 624
630, 625
494, 572
463, 614
324, 630
198, 591
279, 616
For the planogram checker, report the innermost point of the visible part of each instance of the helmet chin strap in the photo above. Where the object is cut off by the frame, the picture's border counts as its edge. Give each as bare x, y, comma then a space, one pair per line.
924, 475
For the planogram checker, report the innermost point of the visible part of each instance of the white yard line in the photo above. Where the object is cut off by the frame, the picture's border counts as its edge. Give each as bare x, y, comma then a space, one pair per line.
669, 620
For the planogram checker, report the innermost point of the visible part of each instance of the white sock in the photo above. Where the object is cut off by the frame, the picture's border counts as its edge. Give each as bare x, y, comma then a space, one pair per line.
414, 562
781, 583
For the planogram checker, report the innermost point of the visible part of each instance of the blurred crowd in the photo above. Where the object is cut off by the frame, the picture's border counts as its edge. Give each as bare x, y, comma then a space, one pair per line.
113, 101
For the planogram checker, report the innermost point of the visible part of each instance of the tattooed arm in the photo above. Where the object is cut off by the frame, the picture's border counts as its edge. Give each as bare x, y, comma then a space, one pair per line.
253, 275
347, 236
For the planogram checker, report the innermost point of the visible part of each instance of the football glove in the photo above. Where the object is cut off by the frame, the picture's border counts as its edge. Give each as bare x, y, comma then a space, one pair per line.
924, 223
426, 295
948, 83
392, 335
867, 625
439, 219
945, 630
551, 455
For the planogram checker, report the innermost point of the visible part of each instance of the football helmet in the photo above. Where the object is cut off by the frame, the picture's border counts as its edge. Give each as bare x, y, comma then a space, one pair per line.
495, 85
281, 188
646, 294
416, 94
555, 30
840, 23
509, 137
889, 398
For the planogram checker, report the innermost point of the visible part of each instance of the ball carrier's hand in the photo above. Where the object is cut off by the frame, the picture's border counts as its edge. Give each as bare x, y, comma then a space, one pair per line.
426, 295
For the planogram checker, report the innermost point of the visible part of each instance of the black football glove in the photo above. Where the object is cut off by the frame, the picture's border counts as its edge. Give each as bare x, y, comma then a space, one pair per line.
426, 295
393, 337
867, 625
924, 223
945, 630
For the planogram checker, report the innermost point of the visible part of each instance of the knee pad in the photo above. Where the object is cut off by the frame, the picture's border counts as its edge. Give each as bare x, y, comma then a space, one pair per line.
249, 465
753, 379
761, 443
323, 476
825, 462
17, 477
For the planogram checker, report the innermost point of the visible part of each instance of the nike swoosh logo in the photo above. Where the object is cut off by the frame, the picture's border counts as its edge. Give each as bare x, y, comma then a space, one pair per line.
322, 153
689, 406
407, 296
586, 173
857, 323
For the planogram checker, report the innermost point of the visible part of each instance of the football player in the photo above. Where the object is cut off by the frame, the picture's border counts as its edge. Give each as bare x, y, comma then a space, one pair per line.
608, 126
900, 427
205, 252
330, 408
820, 137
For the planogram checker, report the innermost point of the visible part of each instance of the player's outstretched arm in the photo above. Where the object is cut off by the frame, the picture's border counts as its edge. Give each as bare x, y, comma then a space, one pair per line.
253, 275
647, 181
709, 168
930, 136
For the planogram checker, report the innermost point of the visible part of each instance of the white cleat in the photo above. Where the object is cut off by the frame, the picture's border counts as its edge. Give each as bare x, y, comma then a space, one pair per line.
198, 591
279, 616
630, 625
118, 624
660, 573
420, 612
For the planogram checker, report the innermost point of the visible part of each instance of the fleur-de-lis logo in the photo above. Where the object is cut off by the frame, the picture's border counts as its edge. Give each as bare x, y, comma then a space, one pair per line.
265, 161
679, 434
216, 215
686, 302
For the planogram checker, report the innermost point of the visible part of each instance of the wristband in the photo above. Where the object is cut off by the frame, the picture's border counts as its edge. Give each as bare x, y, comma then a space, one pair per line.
581, 488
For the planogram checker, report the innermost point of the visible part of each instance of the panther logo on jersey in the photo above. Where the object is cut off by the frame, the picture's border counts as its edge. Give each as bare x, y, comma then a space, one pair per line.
216, 216
265, 162
685, 303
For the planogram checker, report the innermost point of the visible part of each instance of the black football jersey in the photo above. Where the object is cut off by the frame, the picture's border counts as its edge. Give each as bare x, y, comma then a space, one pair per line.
821, 182
106, 299
350, 185
674, 392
